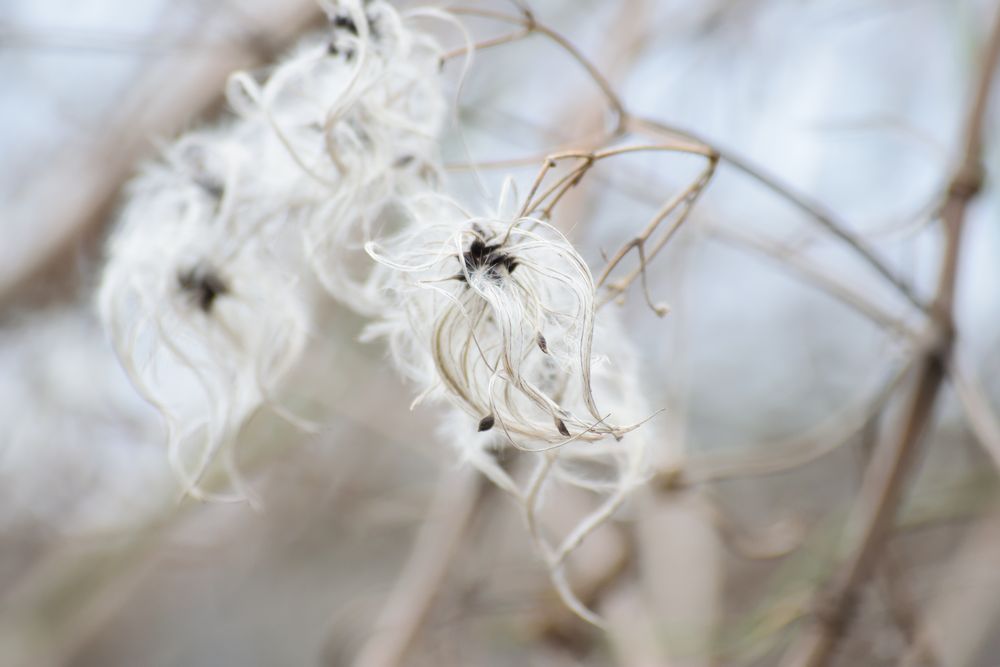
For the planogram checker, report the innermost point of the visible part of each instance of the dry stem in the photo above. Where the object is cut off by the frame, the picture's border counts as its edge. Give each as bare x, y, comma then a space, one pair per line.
883, 484
456, 503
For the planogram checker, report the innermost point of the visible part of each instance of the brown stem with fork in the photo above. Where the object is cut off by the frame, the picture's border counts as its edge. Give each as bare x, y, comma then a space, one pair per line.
886, 475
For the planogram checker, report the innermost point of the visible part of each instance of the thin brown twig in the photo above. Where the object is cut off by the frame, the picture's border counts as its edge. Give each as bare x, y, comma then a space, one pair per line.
587, 159
641, 125
823, 217
456, 503
528, 22
885, 478
684, 200
791, 261
627, 122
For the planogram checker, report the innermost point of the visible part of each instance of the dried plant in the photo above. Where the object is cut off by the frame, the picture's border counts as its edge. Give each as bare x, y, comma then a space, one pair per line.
204, 273
327, 184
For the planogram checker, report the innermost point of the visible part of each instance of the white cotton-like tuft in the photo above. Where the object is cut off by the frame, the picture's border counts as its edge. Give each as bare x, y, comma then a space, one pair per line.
496, 316
201, 301
355, 118
206, 293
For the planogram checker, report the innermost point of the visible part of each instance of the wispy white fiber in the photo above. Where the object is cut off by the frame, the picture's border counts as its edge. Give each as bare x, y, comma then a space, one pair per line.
330, 162
354, 119
205, 293
496, 317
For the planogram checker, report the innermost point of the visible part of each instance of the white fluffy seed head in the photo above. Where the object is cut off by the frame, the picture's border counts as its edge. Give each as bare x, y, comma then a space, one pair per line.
205, 290
200, 300
496, 316
355, 117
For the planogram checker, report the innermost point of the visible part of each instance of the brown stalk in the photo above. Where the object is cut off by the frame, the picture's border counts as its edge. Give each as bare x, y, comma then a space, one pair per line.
824, 218
886, 475
456, 503
627, 122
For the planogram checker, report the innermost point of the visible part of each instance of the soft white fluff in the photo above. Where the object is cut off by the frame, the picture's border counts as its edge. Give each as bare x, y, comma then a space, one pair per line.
206, 291
353, 120
496, 316
206, 288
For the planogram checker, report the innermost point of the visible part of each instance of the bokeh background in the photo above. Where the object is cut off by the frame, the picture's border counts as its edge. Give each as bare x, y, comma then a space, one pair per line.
857, 103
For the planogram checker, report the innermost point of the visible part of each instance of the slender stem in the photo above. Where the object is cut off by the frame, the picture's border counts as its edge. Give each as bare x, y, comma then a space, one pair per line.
823, 217
456, 503
629, 122
500, 40
684, 201
528, 22
884, 481
587, 159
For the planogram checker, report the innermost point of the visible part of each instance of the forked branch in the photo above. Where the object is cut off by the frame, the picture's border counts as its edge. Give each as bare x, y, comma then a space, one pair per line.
889, 469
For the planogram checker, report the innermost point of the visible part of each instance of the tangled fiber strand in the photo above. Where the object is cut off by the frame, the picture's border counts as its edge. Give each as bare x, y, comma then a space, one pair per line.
354, 119
496, 317
202, 306
207, 289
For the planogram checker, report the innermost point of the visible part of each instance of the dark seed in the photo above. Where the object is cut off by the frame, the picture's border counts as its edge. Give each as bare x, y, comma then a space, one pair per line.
542, 344
562, 427
204, 286
212, 187
486, 423
488, 257
344, 21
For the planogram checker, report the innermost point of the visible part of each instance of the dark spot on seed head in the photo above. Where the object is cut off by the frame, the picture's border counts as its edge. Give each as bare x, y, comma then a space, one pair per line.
562, 427
487, 257
486, 423
203, 286
210, 185
345, 22
543, 344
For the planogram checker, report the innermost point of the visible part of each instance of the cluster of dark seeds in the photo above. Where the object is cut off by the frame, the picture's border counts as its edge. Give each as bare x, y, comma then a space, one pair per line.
203, 286
343, 22
487, 257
